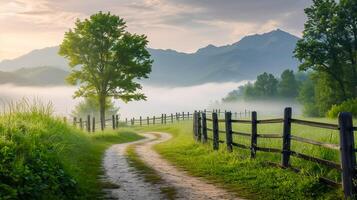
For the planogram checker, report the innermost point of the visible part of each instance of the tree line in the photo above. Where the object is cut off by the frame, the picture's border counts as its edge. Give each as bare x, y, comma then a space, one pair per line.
269, 87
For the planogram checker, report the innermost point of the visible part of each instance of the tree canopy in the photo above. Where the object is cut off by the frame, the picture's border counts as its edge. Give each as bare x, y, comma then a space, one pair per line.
105, 59
329, 48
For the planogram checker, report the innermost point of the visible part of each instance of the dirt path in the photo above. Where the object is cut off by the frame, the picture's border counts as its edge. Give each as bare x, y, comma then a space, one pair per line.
187, 187
131, 186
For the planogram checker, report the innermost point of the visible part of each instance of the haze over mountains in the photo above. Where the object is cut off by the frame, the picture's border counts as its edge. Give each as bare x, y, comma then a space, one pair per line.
270, 52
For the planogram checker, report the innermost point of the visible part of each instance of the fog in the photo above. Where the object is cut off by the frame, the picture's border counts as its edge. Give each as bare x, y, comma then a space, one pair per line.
159, 99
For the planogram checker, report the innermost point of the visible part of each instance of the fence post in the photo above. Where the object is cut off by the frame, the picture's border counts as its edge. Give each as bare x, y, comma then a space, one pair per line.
188, 115
93, 125
148, 121
116, 121
183, 116
348, 157
199, 127
254, 137
229, 139
88, 123
172, 118
194, 124
81, 123
113, 122
75, 121
153, 120
140, 120
204, 127
164, 118
126, 121
215, 131
286, 138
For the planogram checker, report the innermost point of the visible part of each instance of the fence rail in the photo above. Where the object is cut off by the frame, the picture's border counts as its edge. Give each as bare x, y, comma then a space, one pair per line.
346, 146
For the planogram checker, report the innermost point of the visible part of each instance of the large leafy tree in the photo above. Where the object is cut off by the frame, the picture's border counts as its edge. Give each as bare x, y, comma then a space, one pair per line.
329, 47
106, 60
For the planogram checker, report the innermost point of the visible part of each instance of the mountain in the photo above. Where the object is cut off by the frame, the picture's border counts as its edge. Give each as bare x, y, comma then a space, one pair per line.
39, 57
269, 52
37, 76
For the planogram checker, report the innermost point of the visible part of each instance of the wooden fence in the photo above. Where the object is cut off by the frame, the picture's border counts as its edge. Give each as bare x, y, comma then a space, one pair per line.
90, 123
346, 147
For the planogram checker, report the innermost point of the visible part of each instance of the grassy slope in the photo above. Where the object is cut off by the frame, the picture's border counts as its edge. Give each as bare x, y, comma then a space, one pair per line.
79, 154
253, 178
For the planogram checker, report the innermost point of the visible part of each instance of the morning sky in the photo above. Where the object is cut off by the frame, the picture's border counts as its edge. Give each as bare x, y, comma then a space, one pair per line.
183, 25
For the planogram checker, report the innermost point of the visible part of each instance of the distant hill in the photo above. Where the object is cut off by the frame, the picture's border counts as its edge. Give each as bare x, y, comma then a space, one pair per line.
243, 60
270, 52
37, 76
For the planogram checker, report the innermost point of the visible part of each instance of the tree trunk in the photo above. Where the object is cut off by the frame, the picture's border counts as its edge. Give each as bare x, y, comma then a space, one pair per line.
102, 111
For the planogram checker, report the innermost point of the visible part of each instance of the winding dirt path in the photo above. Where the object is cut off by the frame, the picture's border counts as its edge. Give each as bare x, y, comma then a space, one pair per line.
133, 187
130, 185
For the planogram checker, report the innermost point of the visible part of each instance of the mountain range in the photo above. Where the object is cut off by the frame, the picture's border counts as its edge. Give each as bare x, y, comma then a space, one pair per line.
269, 52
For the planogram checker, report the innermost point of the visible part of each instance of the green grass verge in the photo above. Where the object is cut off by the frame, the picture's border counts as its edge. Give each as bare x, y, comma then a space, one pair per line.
253, 179
149, 174
43, 158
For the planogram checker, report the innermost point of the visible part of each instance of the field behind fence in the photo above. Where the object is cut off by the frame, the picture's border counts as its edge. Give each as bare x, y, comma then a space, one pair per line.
207, 128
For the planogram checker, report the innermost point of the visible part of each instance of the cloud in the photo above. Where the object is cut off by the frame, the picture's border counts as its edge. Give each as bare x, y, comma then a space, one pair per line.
184, 25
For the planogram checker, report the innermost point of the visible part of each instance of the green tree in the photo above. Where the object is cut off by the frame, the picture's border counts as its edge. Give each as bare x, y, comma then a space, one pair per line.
308, 98
329, 47
288, 86
266, 85
90, 106
106, 60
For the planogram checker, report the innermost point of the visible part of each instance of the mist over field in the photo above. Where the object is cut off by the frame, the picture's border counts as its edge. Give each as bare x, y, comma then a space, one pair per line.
159, 99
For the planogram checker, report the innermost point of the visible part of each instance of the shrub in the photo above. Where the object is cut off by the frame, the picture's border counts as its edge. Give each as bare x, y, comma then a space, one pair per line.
346, 106
30, 167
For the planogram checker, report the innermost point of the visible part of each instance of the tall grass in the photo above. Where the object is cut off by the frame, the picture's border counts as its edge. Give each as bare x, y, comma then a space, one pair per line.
41, 157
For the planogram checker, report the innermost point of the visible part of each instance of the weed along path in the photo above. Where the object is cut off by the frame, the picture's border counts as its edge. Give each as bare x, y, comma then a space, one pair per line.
185, 186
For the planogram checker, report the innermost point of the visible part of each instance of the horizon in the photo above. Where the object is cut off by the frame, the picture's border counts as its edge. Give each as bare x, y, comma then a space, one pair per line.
183, 26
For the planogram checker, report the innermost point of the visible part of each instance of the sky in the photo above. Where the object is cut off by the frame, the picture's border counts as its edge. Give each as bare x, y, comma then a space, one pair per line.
182, 25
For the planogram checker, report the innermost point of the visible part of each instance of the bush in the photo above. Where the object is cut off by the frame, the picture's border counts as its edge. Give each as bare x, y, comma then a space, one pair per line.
346, 106
30, 167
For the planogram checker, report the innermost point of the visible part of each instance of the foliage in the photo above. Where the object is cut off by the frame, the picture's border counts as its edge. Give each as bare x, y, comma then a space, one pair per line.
329, 48
308, 99
267, 87
41, 157
90, 106
346, 106
288, 85
111, 59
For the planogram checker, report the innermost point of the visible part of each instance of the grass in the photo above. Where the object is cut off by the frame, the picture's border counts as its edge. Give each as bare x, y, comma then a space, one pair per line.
149, 174
254, 179
41, 157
